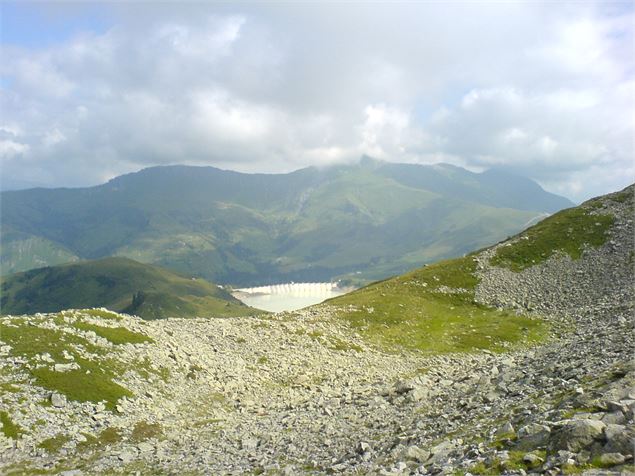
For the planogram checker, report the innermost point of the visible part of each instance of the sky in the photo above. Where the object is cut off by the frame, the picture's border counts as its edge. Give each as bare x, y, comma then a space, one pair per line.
89, 91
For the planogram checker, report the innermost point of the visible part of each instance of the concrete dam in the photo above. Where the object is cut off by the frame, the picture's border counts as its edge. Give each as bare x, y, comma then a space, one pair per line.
294, 289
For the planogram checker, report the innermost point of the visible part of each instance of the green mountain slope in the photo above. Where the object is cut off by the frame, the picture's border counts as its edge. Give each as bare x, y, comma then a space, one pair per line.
367, 220
435, 308
119, 284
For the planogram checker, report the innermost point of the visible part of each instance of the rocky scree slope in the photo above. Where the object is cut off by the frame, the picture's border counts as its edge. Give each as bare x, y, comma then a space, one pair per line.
307, 392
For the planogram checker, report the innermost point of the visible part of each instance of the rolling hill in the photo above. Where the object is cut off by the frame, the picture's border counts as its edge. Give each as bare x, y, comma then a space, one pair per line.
363, 221
119, 284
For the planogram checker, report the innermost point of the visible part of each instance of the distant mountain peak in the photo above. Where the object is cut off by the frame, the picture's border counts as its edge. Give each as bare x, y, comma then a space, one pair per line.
368, 161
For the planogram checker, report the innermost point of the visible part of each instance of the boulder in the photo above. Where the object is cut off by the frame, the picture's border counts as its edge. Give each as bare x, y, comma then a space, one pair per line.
66, 367
404, 386
57, 400
414, 453
363, 448
612, 459
418, 394
576, 435
532, 436
619, 439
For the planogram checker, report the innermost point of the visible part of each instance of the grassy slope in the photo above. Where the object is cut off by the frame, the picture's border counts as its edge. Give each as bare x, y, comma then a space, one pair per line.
98, 368
20, 251
432, 309
313, 224
111, 283
569, 231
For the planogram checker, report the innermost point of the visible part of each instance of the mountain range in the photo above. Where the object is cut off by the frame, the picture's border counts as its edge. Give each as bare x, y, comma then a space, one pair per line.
356, 222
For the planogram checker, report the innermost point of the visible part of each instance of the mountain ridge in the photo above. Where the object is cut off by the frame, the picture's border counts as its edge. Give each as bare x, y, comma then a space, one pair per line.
361, 221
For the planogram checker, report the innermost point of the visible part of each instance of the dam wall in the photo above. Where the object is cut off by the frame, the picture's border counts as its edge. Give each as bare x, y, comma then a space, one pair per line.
297, 289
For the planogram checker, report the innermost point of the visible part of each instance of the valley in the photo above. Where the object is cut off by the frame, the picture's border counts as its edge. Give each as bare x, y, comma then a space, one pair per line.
516, 359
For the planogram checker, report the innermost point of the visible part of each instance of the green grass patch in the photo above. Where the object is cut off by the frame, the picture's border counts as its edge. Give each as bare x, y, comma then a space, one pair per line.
482, 469
28, 340
515, 463
108, 436
144, 431
146, 369
594, 464
24, 469
116, 335
92, 381
55, 443
625, 196
569, 231
9, 428
568, 414
6, 387
81, 386
433, 310
335, 343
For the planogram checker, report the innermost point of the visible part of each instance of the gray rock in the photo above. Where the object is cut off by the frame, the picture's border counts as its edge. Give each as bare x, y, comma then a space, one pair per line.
616, 418
404, 386
418, 394
57, 400
576, 435
616, 407
440, 452
65, 367
249, 444
506, 429
619, 439
363, 448
532, 460
126, 456
532, 436
612, 459
145, 447
414, 453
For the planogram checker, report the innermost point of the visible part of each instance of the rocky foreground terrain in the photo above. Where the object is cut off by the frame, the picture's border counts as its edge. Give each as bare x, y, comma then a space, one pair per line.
303, 393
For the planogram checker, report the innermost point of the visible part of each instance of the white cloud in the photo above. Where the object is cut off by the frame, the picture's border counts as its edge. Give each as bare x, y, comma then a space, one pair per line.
53, 137
549, 136
544, 88
10, 149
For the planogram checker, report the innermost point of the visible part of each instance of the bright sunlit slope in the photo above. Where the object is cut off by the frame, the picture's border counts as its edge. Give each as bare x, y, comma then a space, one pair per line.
434, 309
119, 284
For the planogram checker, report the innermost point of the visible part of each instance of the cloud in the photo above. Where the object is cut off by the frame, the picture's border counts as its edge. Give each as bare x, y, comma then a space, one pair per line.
547, 90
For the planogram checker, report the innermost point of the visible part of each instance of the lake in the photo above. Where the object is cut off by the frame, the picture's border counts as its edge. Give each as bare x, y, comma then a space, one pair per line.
288, 296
